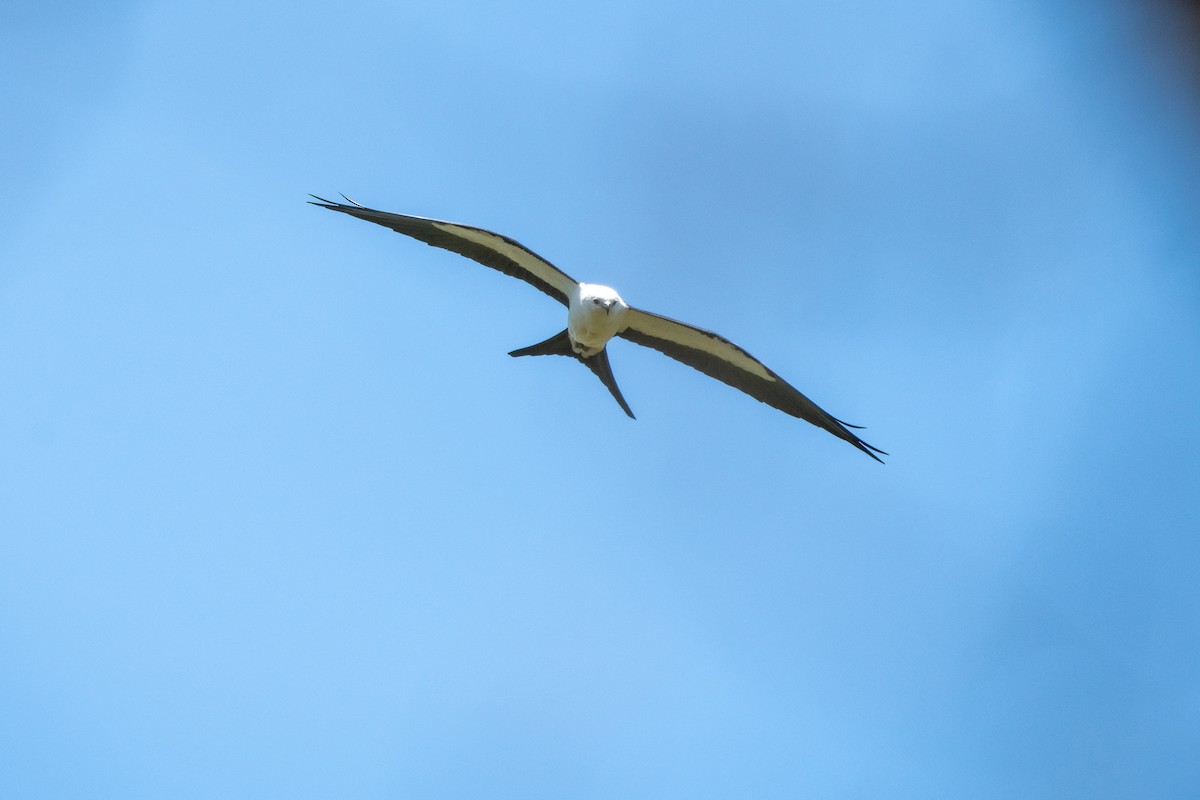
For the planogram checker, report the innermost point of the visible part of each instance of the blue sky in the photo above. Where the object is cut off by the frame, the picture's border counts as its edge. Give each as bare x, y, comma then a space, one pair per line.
279, 517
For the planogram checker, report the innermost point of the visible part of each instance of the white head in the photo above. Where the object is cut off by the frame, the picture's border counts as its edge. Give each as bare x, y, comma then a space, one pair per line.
593, 298
594, 317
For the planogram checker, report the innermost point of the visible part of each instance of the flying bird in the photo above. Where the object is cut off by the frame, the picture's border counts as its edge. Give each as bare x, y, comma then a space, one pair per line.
595, 314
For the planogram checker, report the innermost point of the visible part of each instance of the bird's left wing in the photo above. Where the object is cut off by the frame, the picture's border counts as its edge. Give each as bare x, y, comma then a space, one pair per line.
490, 249
719, 358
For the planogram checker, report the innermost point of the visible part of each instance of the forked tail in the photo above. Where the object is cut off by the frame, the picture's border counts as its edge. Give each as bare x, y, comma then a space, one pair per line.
560, 345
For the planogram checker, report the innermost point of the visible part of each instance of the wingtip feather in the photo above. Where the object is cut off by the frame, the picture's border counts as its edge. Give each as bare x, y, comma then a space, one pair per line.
333, 204
868, 448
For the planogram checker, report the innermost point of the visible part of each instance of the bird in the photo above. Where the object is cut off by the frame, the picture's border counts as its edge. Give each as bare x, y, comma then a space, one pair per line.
596, 314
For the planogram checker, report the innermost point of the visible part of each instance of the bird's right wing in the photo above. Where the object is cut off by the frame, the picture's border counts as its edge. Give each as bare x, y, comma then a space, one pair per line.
719, 358
490, 249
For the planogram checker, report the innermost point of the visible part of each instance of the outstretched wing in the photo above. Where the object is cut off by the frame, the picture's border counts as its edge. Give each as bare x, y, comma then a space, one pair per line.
720, 358
490, 249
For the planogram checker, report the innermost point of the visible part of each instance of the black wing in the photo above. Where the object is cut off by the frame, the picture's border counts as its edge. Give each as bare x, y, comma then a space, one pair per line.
490, 249
719, 358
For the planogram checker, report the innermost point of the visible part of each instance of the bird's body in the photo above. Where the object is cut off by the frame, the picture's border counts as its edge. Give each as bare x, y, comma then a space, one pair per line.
596, 314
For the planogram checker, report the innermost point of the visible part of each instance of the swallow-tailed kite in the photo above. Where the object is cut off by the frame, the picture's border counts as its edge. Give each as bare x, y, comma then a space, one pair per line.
597, 313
